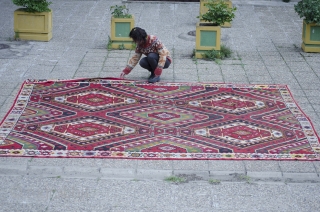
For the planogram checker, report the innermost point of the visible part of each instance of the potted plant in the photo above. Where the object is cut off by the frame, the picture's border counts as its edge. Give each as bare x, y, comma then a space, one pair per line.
121, 24
204, 9
33, 21
309, 10
208, 33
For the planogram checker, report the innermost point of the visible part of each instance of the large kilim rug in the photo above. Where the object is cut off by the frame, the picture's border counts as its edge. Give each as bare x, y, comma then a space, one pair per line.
111, 118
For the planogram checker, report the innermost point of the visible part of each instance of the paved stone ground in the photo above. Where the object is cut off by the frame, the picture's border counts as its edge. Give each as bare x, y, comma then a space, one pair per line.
265, 38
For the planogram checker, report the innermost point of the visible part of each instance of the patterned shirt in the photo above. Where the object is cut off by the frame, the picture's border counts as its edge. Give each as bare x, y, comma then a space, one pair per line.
153, 45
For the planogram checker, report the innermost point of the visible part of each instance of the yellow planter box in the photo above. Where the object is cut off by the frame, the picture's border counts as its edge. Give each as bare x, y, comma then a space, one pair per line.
33, 26
207, 38
204, 9
310, 37
120, 29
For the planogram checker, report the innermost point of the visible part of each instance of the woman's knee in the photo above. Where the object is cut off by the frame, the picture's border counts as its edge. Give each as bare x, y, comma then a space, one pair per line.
153, 57
144, 63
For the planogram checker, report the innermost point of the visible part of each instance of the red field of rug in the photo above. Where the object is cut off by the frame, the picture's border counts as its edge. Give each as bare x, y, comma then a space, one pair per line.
110, 118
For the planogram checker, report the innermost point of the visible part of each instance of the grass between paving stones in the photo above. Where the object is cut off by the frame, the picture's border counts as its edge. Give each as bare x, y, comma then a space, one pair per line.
215, 55
214, 181
175, 179
109, 43
225, 52
183, 178
121, 46
244, 178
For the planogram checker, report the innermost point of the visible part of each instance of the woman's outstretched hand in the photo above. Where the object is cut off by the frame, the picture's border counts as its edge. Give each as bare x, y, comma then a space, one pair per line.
122, 75
125, 71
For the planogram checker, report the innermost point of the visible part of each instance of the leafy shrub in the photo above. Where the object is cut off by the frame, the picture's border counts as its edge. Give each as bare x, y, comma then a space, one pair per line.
225, 51
218, 12
33, 5
120, 11
309, 10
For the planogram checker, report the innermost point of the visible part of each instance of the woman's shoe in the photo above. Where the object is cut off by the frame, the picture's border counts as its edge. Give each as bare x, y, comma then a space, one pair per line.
151, 76
154, 79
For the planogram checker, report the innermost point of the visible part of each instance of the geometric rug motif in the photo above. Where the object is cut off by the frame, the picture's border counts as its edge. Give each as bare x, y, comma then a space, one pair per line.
113, 118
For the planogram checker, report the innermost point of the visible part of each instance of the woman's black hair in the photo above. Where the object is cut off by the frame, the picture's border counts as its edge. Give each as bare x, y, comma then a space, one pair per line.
137, 34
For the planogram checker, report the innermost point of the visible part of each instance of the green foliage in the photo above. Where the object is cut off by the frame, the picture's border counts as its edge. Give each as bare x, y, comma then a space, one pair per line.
109, 45
33, 5
214, 181
225, 51
215, 55
17, 36
134, 45
309, 10
121, 46
245, 178
218, 12
193, 56
175, 179
120, 11
212, 55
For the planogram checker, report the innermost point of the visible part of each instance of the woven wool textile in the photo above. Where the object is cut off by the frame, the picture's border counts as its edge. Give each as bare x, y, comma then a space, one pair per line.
112, 118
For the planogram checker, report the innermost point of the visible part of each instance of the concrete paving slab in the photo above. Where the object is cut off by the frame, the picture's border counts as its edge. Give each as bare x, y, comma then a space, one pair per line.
151, 164
211, 78
44, 171
297, 166
265, 175
10, 169
201, 197
190, 165
117, 163
153, 174
81, 172
264, 166
226, 165
298, 177
112, 173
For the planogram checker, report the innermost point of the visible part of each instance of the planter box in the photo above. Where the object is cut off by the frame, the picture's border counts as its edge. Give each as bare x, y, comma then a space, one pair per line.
33, 26
207, 38
310, 37
204, 9
120, 29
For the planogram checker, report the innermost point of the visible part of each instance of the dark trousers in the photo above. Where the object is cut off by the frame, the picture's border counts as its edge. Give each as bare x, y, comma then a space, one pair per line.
151, 62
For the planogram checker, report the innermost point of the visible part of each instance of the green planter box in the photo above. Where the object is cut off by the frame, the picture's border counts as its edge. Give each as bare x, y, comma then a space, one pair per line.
310, 37
204, 9
207, 38
120, 29
33, 26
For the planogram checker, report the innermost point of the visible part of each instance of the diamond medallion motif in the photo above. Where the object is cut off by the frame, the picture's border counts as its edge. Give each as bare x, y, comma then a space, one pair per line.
93, 100
163, 116
229, 103
241, 134
86, 130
